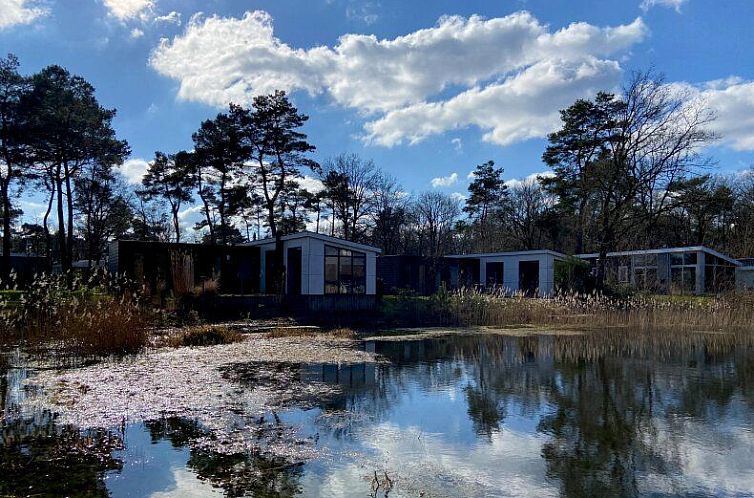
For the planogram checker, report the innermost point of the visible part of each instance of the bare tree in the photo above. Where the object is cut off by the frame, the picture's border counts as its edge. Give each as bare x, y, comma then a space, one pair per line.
389, 213
436, 214
528, 203
350, 182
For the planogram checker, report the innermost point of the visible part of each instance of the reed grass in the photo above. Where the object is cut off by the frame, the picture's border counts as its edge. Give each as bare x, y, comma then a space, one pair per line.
70, 316
734, 312
310, 331
204, 335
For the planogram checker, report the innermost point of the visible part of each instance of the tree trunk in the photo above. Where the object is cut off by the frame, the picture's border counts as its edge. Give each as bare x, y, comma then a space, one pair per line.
46, 227
177, 226
69, 202
209, 220
62, 241
5, 267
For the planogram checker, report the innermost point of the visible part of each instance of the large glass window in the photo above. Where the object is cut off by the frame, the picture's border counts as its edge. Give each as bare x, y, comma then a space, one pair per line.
683, 272
345, 271
645, 272
719, 274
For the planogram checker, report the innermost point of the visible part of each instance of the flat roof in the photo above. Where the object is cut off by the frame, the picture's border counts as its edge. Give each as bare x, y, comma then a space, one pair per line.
530, 252
315, 235
664, 250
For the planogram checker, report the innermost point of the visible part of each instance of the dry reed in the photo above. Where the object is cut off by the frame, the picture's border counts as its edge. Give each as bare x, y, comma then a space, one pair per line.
73, 317
731, 313
204, 335
311, 331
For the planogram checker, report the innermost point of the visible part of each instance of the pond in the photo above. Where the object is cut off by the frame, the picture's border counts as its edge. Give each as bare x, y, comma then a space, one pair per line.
471, 416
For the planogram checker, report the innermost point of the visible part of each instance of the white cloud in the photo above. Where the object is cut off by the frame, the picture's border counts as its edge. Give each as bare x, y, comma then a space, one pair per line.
361, 11
457, 144
732, 101
134, 170
172, 18
521, 107
18, 12
533, 178
219, 60
313, 185
458, 196
125, 10
445, 181
136, 33
673, 4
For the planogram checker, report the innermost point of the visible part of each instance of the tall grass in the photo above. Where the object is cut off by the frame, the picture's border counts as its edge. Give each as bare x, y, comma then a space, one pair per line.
734, 312
65, 314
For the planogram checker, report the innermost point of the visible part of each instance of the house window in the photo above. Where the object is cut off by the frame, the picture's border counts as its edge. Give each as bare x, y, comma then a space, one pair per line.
345, 271
645, 272
623, 275
683, 272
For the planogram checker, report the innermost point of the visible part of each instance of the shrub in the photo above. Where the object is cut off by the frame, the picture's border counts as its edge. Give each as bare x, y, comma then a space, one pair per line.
204, 335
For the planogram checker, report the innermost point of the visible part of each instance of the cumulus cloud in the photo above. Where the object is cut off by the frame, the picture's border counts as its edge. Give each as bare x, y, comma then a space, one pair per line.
134, 170
18, 12
520, 107
125, 10
673, 4
136, 33
445, 181
221, 60
733, 103
217, 60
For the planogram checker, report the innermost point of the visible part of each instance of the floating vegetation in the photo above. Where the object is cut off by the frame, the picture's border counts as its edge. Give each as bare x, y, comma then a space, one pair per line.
311, 331
197, 384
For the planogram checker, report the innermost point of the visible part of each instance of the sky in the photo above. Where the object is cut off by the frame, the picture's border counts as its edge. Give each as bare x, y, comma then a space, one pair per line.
428, 90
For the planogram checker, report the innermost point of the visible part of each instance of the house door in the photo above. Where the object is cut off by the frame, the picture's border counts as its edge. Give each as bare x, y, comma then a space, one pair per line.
270, 273
528, 277
293, 271
495, 275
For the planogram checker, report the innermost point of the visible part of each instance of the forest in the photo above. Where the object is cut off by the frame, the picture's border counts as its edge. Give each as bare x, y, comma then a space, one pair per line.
628, 169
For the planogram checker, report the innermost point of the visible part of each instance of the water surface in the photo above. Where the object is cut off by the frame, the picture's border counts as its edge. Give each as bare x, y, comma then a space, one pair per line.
454, 416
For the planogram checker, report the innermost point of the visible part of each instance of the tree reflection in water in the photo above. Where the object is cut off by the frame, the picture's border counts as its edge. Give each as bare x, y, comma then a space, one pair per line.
239, 474
612, 406
40, 458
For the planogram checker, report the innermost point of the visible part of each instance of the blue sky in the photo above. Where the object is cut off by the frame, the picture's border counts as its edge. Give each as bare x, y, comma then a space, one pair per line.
426, 89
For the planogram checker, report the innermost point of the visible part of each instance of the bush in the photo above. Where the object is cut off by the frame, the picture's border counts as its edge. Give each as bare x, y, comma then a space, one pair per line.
204, 335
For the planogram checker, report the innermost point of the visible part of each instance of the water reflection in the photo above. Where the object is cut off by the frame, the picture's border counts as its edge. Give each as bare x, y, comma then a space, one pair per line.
237, 474
606, 415
40, 458
615, 420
